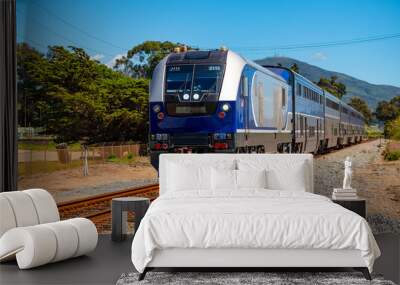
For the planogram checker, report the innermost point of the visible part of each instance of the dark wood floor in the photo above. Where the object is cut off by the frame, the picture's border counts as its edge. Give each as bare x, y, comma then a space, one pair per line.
103, 266
111, 259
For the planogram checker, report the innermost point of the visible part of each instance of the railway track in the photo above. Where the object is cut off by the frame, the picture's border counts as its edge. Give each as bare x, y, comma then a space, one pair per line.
336, 149
98, 207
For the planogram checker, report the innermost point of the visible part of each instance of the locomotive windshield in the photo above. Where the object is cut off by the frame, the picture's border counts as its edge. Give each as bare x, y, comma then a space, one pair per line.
192, 89
179, 79
207, 79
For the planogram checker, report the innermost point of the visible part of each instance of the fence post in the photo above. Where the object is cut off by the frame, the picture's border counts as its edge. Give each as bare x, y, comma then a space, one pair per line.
85, 161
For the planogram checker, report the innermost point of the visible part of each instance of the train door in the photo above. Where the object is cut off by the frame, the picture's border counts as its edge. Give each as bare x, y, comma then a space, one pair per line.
318, 126
246, 106
305, 133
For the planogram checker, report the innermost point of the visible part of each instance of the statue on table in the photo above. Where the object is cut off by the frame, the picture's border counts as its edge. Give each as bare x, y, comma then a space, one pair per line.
347, 173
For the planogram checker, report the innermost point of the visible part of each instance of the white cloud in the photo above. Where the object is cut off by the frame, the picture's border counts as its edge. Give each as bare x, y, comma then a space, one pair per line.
97, 56
112, 61
319, 56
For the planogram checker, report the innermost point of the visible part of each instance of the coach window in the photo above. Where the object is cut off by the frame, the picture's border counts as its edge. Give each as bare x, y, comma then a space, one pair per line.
298, 89
283, 97
312, 131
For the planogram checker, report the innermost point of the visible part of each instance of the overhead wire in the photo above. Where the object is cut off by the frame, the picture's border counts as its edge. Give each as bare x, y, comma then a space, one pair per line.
82, 31
72, 42
316, 45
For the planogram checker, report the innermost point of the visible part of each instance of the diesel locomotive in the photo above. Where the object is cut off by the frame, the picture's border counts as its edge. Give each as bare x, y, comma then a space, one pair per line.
217, 101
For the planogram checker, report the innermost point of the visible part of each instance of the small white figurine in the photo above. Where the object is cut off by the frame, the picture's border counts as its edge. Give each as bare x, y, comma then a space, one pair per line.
347, 173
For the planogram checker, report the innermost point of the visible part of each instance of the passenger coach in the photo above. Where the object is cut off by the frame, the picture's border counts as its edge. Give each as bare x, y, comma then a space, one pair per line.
217, 101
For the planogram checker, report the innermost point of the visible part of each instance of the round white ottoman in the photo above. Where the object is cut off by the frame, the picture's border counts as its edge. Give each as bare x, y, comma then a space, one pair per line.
51, 242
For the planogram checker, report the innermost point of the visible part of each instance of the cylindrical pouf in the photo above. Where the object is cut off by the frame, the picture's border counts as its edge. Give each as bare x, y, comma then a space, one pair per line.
45, 205
7, 218
23, 208
33, 246
66, 237
87, 235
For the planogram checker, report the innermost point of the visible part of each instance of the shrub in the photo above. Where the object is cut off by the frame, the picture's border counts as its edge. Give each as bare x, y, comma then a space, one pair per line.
393, 129
373, 132
130, 155
392, 155
111, 157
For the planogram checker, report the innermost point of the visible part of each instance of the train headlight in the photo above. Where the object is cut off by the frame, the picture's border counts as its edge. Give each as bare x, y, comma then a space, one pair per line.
160, 115
226, 107
156, 108
196, 96
185, 96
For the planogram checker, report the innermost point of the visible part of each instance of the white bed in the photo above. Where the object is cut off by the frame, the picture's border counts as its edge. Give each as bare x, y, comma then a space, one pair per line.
198, 223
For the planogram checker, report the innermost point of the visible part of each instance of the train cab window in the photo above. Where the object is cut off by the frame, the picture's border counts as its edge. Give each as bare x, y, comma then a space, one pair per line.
207, 78
179, 79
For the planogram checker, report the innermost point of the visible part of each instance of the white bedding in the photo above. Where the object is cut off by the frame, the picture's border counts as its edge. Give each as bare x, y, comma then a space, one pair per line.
252, 218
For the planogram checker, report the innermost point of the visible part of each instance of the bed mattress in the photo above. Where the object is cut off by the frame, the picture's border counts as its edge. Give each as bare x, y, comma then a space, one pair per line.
250, 219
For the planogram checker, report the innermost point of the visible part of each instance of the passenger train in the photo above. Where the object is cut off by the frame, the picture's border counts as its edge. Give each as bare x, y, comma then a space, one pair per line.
218, 101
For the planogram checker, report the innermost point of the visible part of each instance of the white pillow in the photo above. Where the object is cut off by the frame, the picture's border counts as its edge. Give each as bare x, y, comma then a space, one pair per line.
251, 178
223, 179
182, 177
287, 176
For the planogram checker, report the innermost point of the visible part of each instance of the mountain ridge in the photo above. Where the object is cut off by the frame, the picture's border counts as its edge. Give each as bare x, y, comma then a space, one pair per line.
371, 93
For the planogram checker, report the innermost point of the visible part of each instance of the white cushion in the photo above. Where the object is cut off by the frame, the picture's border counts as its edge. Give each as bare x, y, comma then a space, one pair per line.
251, 179
188, 177
7, 218
87, 235
234, 161
46, 207
23, 208
287, 176
223, 179
284, 172
66, 238
33, 246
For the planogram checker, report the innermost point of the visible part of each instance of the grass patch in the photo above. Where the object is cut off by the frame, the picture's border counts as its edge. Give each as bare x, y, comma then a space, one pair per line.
392, 151
51, 145
35, 167
130, 158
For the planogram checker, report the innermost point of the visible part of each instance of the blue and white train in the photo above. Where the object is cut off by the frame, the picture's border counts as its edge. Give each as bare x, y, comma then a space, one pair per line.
218, 101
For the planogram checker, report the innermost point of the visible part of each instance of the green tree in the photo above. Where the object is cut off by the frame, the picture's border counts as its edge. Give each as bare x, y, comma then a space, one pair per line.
76, 98
361, 106
331, 85
387, 111
141, 60
393, 128
295, 68
31, 71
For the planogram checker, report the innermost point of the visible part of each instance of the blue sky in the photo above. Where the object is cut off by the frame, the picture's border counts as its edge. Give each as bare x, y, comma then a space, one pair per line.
107, 29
